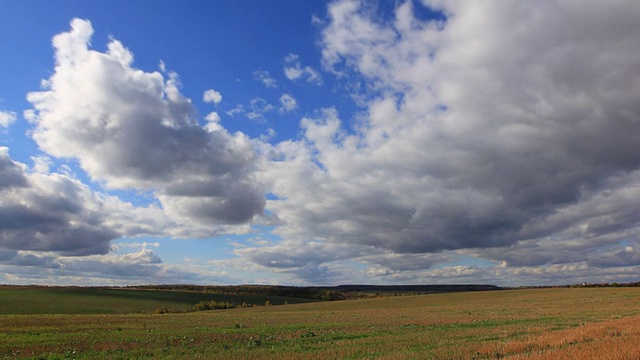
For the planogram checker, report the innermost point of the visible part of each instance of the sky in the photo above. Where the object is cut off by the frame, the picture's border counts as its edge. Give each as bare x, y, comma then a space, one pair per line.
319, 142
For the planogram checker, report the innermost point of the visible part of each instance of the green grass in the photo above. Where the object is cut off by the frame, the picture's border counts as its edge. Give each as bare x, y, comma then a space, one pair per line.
88, 300
480, 325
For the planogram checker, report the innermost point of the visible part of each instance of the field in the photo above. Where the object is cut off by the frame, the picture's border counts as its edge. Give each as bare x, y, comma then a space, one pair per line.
565, 323
91, 300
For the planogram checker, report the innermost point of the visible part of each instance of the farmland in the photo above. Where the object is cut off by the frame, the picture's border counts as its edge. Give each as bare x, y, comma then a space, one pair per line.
560, 323
90, 300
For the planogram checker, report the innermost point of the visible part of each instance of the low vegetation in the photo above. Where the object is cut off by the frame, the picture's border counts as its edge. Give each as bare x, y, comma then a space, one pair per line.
556, 323
95, 300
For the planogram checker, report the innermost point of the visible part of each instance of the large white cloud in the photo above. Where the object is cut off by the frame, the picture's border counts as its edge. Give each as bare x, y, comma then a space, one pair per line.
129, 130
134, 130
480, 132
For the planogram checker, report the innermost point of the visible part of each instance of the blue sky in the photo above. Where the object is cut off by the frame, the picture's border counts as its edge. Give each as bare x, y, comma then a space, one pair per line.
218, 44
319, 142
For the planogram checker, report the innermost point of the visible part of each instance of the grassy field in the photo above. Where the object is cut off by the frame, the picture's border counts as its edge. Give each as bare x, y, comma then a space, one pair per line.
91, 300
579, 323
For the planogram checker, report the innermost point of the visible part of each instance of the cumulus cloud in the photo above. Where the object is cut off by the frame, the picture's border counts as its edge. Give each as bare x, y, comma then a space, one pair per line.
265, 78
44, 211
288, 103
50, 212
508, 131
294, 71
12, 173
131, 129
212, 96
504, 136
7, 118
213, 124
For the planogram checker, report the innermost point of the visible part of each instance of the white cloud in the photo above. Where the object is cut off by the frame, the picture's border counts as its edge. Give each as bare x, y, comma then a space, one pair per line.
213, 117
50, 212
268, 135
144, 266
141, 245
288, 103
131, 129
505, 135
265, 78
294, 71
55, 230
291, 58
7, 118
239, 109
212, 96
213, 124
480, 136
258, 107
41, 164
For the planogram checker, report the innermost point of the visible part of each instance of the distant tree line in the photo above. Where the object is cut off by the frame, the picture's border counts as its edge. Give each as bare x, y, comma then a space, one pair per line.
586, 285
245, 290
611, 284
329, 293
209, 305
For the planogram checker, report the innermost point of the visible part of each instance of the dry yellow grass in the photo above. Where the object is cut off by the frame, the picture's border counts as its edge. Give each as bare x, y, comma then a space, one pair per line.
617, 338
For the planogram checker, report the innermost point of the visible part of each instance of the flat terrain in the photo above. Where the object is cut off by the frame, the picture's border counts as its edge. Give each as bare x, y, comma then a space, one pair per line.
566, 323
91, 300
